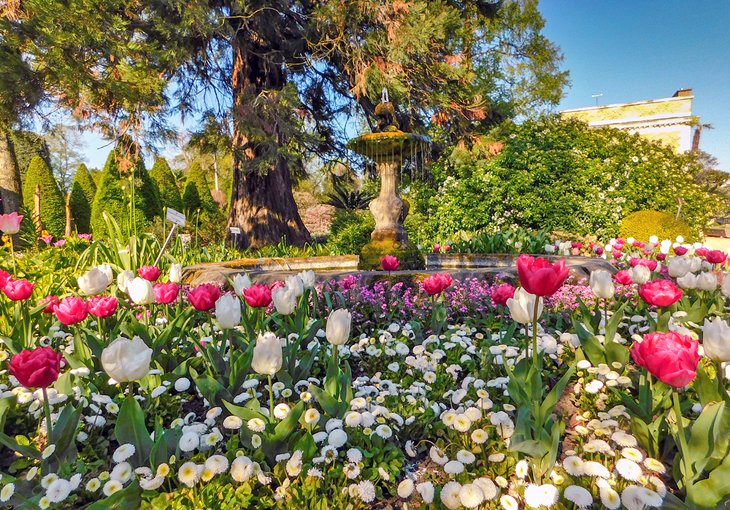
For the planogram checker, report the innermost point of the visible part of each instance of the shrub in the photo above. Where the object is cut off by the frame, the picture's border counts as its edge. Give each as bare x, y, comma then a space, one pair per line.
83, 191
165, 180
350, 231
197, 192
643, 224
27, 145
559, 175
114, 196
53, 206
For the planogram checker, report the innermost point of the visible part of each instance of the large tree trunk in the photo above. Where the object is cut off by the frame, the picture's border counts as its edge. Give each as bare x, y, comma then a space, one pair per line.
262, 203
11, 196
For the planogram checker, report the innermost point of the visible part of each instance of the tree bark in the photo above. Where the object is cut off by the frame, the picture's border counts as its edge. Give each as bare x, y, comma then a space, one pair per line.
262, 203
10, 187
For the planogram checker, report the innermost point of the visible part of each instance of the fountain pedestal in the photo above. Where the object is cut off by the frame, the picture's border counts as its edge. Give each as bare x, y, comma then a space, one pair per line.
388, 208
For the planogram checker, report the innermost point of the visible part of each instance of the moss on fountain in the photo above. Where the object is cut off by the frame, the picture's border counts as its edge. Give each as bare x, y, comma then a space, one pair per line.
386, 143
407, 254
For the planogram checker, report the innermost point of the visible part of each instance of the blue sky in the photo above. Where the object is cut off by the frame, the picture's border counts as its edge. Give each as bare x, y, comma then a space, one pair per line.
631, 50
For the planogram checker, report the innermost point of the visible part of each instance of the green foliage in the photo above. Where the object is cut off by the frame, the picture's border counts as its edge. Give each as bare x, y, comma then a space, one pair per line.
197, 192
53, 211
27, 145
516, 240
343, 197
372, 252
350, 231
558, 175
643, 224
165, 180
114, 195
83, 191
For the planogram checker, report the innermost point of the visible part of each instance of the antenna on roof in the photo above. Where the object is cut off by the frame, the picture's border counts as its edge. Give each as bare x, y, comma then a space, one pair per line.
596, 96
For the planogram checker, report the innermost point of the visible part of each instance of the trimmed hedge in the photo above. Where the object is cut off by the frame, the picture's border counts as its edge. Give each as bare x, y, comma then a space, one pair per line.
165, 180
114, 196
53, 207
27, 145
197, 192
83, 191
643, 224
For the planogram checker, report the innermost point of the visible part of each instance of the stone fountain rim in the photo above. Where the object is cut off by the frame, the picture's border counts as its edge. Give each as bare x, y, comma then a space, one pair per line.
379, 140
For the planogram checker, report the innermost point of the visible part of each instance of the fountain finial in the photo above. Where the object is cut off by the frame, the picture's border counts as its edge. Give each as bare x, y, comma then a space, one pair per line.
385, 113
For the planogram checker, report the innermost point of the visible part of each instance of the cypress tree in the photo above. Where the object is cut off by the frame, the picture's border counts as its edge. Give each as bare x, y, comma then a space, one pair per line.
165, 180
109, 198
197, 192
83, 191
146, 195
53, 211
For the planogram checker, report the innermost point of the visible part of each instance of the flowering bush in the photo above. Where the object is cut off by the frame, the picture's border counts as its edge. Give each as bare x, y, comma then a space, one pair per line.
117, 393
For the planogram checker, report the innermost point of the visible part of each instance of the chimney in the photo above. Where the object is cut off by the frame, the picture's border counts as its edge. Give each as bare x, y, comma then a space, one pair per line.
683, 93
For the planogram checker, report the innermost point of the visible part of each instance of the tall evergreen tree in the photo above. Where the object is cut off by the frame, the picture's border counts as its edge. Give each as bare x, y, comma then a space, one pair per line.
291, 69
165, 180
53, 205
196, 194
83, 191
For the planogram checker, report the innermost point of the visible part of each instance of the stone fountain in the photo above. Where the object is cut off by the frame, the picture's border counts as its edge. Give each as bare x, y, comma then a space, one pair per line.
388, 148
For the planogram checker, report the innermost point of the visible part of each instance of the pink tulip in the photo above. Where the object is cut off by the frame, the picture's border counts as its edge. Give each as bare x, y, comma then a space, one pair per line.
18, 290
390, 263
203, 297
165, 293
670, 357
71, 310
10, 223
149, 273
102, 306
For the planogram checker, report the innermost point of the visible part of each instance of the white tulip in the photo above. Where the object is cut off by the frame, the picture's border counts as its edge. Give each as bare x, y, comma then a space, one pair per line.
549, 248
601, 283
94, 282
338, 327
679, 266
285, 300
707, 281
522, 306
725, 287
640, 274
175, 273
123, 279
107, 270
688, 281
228, 311
140, 291
716, 339
241, 282
267, 354
308, 279
295, 285
695, 264
126, 360
665, 246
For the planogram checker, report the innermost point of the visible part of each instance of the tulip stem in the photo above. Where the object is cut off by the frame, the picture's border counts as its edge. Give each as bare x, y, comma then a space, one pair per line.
12, 253
271, 399
47, 412
682, 444
535, 359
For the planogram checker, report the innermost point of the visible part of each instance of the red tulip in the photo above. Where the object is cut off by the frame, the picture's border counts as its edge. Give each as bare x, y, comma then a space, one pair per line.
623, 277
5, 277
71, 310
680, 250
502, 293
576, 244
599, 251
149, 273
38, 368
660, 293
670, 357
389, 263
447, 247
639, 244
257, 296
540, 277
436, 248
661, 256
102, 306
203, 297
18, 290
716, 256
437, 283
702, 252
50, 302
166, 293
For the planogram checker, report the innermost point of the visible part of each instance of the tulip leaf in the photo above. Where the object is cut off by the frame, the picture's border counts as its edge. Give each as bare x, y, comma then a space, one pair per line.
26, 450
129, 498
244, 413
328, 403
63, 434
703, 436
709, 492
165, 446
706, 386
287, 425
131, 428
551, 399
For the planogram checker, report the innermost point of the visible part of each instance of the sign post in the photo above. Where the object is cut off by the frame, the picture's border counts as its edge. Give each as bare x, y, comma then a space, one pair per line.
177, 219
235, 231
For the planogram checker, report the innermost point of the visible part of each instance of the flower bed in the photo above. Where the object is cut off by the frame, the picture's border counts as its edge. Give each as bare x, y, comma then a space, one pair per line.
121, 388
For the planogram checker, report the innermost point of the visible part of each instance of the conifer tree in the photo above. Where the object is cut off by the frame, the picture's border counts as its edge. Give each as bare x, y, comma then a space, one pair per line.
169, 192
53, 205
83, 191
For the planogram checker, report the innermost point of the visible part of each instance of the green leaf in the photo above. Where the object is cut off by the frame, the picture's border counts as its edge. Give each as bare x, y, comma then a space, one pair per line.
165, 446
708, 493
129, 498
245, 413
25, 450
131, 428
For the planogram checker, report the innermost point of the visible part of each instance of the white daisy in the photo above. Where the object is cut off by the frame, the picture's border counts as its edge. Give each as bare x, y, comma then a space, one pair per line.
578, 495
